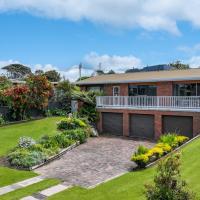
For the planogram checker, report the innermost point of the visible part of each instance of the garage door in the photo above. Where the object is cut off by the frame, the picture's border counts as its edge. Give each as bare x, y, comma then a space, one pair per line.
179, 124
142, 126
112, 123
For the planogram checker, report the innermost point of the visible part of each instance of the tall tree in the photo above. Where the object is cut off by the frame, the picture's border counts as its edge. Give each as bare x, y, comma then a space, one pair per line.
53, 76
39, 72
17, 71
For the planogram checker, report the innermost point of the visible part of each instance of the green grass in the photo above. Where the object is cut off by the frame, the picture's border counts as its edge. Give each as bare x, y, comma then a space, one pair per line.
131, 185
9, 136
27, 191
9, 176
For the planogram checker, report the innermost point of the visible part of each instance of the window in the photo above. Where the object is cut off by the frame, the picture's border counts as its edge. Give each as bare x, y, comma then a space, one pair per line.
148, 90
192, 89
95, 88
116, 91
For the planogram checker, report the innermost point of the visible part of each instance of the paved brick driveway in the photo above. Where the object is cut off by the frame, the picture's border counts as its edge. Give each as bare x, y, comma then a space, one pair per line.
94, 162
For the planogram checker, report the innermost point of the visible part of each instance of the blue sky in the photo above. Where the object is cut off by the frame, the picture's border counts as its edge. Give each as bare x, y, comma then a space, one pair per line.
61, 34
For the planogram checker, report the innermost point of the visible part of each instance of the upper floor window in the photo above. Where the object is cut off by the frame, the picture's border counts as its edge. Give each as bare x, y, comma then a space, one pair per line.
142, 90
192, 89
95, 88
116, 90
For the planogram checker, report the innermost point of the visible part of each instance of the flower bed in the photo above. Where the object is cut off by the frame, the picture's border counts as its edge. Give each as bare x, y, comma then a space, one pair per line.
29, 153
165, 145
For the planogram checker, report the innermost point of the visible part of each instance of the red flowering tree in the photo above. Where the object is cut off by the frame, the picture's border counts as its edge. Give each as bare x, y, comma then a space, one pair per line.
17, 98
40, 90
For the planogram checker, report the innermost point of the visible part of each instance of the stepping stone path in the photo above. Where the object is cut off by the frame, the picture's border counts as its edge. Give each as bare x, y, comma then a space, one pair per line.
20, 184
48, 192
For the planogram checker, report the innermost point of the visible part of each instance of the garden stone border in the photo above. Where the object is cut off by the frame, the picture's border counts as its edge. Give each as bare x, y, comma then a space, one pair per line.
175, 150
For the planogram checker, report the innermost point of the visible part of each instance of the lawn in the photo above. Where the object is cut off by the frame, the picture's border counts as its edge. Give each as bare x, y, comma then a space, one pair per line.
27, 191
131, 185
9, 135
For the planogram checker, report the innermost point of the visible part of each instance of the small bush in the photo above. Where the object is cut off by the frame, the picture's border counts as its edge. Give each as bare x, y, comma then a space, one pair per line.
70, 123
169, 139
156, 151
181, 139
140, 160
63, 141
77, 135
2, 121
168, 184
48, 142
26, 142
142, 150
55, 112
166, 147
24, 158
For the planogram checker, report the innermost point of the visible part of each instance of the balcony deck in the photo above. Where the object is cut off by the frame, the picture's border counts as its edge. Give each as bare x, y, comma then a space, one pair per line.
166, 103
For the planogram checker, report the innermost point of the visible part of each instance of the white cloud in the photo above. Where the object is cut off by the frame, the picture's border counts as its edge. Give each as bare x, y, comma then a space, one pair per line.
194, 61
4, 63
114, 62
190, 49
148, 14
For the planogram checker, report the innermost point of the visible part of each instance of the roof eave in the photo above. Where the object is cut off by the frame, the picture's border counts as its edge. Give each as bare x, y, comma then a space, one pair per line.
140, 81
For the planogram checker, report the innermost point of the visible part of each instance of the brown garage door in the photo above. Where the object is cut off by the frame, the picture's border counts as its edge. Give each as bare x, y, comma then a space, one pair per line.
180, 124
112, 123
142, 126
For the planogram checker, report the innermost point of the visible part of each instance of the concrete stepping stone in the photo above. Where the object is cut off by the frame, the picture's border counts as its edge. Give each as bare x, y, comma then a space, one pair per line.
29, 198
30, 181
20, 184
53, 190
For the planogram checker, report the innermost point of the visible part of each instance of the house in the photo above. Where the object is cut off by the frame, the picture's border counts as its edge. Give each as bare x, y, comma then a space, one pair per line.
148, 104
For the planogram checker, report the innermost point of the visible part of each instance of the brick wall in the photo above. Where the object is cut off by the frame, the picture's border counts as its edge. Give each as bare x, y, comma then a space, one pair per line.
157, 119
164, 89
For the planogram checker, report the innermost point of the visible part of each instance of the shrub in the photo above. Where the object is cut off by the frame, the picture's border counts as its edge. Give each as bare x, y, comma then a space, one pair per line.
2, 121
167, 182
156, 151
26, 142
63, 141
24, 158
140, 160
142, 150
166, 147
48, 142
169, 139
181, 139
77, 135
55, 112
71, 123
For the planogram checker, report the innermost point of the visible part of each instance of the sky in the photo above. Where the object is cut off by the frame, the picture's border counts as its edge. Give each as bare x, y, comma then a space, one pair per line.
60, 34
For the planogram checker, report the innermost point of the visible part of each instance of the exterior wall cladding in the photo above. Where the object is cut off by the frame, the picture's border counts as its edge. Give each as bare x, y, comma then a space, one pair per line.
163, 89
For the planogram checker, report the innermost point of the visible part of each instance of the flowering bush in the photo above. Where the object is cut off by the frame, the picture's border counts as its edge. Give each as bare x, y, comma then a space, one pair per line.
17, 98
40, 90
26, 142
166, 143
71, 123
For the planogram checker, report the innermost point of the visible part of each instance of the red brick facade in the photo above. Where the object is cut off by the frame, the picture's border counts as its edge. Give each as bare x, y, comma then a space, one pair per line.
157, 119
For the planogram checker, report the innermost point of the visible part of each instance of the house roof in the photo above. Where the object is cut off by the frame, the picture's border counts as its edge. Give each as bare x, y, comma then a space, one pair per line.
141, 77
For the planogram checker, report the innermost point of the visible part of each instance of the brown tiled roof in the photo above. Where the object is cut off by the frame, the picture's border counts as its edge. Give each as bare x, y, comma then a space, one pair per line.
154, 76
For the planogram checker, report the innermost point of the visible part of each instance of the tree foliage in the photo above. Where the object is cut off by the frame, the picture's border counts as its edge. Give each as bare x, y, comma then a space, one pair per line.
167, 182
178, 65
53, 76
17, 71
40, 91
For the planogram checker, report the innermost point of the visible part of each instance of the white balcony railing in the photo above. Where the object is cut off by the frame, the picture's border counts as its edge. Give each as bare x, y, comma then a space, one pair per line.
150, 102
